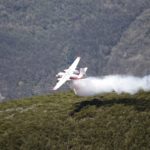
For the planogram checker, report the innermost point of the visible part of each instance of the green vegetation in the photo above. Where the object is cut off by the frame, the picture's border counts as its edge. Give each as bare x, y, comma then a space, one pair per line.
64, 121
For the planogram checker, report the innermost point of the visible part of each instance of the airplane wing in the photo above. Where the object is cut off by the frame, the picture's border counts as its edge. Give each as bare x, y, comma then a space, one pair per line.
74, 65
61, 82
67, 74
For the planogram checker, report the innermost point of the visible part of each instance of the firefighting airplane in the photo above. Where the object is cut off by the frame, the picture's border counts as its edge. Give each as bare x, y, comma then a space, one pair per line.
70, 74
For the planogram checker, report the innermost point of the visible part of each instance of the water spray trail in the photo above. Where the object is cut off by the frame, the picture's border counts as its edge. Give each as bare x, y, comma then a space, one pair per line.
117, 83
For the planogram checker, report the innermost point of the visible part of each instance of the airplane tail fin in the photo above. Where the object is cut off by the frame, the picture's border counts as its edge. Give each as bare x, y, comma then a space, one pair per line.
82, 72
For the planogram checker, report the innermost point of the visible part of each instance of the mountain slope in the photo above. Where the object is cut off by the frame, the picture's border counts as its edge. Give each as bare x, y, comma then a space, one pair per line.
40, 38
64, 121
132, 53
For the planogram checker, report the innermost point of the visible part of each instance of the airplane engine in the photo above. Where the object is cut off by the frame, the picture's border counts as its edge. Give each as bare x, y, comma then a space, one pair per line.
59, 75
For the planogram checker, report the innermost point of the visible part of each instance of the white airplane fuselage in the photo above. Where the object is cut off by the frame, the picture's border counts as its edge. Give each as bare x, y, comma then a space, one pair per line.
77, 74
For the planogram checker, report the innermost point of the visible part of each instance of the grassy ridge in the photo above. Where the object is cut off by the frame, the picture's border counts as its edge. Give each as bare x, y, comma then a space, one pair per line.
65, 121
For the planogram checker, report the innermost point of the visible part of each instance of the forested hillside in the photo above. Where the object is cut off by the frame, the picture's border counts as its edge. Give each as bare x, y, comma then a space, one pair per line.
65, 121
38, 38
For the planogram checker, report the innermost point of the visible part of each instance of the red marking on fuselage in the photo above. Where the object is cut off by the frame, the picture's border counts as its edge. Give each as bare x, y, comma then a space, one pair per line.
74, 78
